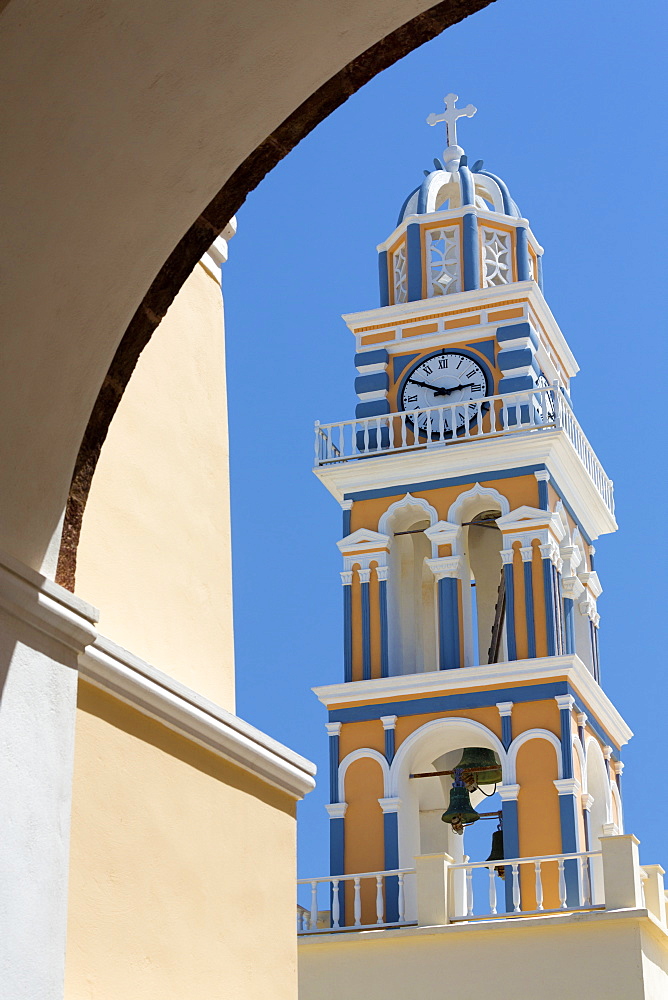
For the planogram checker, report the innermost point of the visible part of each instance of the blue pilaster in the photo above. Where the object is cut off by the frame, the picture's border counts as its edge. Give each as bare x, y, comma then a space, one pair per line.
569, 624
522, 251
346, 578
391, 832
471, 252
594, 652
559, 607
565, 703
506, 712
364, 575
550, 606
568, 813
414, 261
333, 730
527, 569
509, 578
381, 572
389, 724
448, 621
543, 477
511, 835
383, 279
337, 853
336, 846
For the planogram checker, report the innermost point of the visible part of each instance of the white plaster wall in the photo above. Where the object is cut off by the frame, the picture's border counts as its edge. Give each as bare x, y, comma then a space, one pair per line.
598, 956
38, 683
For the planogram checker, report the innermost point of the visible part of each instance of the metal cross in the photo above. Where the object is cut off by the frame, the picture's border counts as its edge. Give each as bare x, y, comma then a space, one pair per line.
450, 116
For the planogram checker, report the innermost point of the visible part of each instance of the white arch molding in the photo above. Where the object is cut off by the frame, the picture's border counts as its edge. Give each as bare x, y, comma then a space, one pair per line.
445, 734
408, 501
578, 750
598, 784
456, 512
362, 753
526, 737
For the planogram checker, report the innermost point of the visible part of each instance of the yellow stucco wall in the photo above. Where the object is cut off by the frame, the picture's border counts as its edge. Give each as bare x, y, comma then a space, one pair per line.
154, 554
181, 863
596, 957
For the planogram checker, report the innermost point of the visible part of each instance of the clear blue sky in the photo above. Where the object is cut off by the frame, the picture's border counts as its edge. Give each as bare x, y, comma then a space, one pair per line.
571, 114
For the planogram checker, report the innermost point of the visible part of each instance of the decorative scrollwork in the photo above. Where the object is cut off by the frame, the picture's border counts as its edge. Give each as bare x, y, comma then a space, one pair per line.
400, 274
444, 261
496, 257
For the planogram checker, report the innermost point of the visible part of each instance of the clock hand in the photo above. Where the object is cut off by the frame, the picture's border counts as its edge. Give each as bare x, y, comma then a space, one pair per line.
434, 388
466, 385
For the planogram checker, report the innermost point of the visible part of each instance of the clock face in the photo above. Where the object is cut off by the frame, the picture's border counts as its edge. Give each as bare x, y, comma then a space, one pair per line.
440, 380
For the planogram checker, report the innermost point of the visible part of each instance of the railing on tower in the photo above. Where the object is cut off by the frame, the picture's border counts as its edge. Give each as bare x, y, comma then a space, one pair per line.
532, 411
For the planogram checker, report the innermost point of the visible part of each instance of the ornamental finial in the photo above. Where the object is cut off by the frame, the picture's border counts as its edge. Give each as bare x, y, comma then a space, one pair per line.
453, 153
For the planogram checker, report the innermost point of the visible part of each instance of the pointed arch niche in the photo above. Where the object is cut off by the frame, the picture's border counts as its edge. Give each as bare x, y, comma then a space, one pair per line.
412, 646
480, 542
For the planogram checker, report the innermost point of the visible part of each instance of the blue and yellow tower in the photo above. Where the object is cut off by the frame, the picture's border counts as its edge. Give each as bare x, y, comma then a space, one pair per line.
471, 502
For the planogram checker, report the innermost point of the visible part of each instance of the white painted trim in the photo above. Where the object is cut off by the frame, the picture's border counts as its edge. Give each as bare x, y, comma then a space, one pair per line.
505, 708
444, 533
134, 682
465, 458
389, 721
32, 598
362, 753
362, 540
614, 794
526, 737
446, 566
503, 675
390, 805
567, 786
525, 518
564, 702
579, 750
419, 735
473, 493
594, 757
336, 810
508, 793
333, 728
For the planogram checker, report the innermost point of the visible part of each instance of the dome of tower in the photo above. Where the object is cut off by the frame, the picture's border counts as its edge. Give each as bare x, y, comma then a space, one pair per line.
443, 189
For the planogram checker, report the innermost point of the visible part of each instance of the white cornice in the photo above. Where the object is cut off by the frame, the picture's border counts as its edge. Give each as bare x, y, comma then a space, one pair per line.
130, 679
451, 215
483, 298
499, 675
362, 540
54, 611
549, 447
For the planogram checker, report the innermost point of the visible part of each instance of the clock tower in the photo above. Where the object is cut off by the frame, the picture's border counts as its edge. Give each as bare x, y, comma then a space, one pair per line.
471, 687
471, 503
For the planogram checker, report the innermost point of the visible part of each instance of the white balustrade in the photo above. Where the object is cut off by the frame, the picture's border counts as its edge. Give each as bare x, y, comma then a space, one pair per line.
537, 410
327, 901
575, 868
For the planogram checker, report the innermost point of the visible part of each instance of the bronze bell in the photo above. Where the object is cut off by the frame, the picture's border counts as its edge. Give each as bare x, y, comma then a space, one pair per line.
480, 766
496, 854
460, 812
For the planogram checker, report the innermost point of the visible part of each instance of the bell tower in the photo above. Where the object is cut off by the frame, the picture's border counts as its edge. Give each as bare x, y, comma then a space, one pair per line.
472, 501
